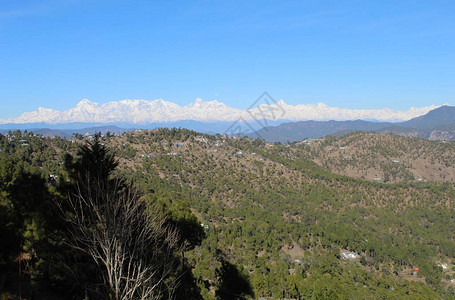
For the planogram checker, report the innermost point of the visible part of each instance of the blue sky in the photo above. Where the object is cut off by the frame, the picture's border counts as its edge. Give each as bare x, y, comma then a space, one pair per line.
353, 54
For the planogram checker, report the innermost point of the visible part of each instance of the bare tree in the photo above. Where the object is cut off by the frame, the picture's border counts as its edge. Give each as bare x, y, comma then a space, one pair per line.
135, 251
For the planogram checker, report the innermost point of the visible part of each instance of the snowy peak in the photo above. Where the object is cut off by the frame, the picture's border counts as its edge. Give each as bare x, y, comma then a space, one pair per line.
160, 110
85, 102
200, 103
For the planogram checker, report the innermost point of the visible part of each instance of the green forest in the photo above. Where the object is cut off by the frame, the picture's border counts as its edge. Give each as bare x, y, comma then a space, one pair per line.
175, 214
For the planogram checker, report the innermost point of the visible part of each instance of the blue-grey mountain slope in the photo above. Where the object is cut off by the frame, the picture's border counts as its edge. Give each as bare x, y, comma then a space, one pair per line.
436, 124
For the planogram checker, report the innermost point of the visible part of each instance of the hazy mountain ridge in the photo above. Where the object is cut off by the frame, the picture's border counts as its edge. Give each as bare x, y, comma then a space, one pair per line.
443, 116
436, 124
67, 130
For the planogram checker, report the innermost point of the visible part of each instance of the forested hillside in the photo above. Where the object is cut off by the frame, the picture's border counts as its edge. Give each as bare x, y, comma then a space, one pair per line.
385, 157
270, 222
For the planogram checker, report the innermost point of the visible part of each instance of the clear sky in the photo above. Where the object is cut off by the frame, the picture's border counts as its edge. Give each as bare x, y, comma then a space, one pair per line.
353, 54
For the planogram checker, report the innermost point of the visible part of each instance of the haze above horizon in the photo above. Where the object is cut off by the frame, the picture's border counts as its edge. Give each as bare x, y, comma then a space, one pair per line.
353, 55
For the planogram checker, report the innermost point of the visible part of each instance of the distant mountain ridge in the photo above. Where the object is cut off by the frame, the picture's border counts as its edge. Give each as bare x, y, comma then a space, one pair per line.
144, 112
127, 115
436, 124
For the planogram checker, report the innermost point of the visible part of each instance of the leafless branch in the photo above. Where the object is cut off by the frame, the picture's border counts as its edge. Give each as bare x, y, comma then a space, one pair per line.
135, 250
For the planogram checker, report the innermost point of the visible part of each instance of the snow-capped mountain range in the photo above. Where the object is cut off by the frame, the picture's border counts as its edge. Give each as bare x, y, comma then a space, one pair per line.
156, 111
